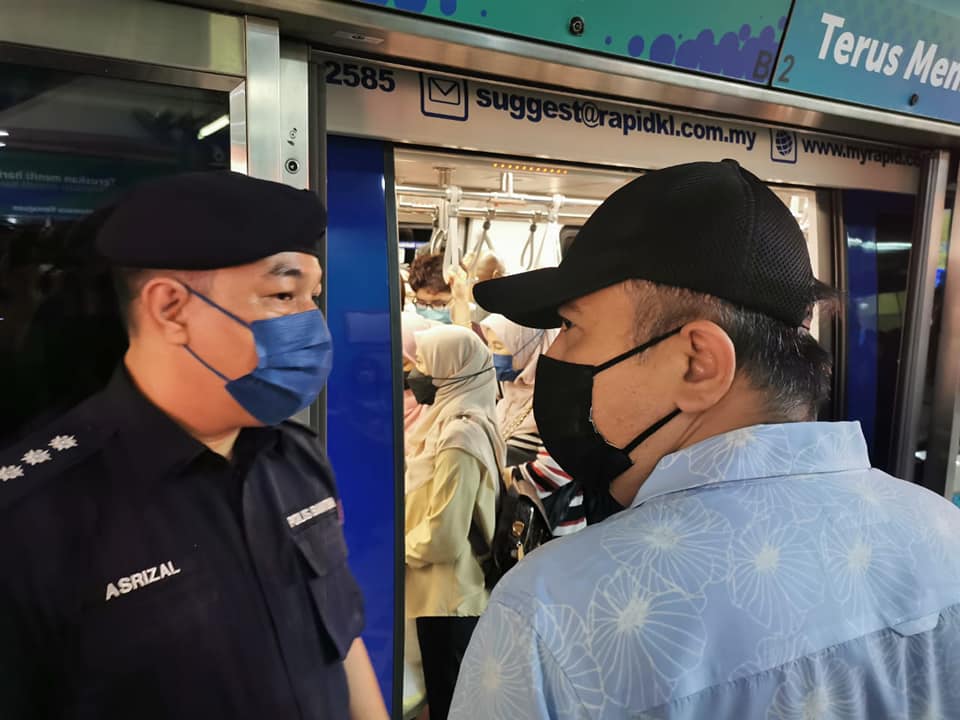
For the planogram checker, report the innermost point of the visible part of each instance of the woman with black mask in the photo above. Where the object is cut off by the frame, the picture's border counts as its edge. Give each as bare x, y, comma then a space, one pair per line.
454, 454
517, 351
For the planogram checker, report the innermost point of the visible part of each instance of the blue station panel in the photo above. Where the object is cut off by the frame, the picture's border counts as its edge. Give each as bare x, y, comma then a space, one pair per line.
360, 395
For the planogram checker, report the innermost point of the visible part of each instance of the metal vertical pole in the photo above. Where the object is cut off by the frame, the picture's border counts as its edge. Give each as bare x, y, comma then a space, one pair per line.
941, 466
317, 114
915, 341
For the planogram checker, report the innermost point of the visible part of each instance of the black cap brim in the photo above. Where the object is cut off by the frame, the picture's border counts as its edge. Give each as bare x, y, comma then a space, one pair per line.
531, 299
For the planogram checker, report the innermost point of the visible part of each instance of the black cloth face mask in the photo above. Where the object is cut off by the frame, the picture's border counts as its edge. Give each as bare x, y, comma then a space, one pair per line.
563, 408
425, 392
422, 387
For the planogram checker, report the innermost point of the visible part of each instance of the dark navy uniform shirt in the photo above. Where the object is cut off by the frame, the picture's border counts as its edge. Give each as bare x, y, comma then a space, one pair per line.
144, 576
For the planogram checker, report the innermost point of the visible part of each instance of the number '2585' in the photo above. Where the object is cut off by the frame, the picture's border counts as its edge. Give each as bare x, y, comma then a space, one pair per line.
364, 76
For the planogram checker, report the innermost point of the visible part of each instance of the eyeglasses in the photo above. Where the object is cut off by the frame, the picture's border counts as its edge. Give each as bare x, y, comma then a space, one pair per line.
432, 305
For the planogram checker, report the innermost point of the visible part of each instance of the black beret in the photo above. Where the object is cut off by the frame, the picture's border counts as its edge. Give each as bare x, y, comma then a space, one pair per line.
209, 220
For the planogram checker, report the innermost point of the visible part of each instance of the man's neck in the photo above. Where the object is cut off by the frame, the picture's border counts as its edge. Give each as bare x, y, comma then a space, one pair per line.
156, 389
736, 413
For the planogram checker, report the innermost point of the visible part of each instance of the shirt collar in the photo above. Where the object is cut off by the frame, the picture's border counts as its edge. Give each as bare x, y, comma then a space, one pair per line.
158, 445
759, 451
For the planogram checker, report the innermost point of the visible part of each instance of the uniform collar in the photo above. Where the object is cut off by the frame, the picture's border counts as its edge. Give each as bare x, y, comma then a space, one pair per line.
759, 451
159, 446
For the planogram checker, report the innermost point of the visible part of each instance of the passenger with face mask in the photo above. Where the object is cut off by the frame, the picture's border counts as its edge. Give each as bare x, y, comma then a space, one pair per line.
761, 569
410, 325
172, 547
516, 352
434, 297
432, 293
454, 455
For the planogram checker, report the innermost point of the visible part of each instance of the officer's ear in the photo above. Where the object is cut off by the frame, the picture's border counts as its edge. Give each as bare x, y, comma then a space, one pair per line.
162, 301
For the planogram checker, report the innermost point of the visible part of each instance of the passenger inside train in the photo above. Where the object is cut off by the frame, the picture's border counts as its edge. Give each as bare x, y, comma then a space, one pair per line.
454, 458
484, 361
516, 352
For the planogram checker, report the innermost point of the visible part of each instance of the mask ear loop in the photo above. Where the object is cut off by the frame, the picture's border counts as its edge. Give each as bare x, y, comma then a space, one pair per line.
215, 306
537, 337
226, 312
462, 378
636, 351
642, 437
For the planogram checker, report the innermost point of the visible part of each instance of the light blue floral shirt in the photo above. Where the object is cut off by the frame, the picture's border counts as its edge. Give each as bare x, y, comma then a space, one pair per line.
768, 573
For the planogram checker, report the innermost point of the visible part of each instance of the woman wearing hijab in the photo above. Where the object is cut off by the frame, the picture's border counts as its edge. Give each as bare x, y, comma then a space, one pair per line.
410, 325
516, 351
454, 455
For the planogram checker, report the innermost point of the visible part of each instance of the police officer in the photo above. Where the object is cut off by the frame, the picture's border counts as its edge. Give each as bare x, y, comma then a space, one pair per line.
172, 547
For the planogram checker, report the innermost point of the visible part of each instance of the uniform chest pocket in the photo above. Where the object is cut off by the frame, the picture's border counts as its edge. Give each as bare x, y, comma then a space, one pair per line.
336, 596
159, 617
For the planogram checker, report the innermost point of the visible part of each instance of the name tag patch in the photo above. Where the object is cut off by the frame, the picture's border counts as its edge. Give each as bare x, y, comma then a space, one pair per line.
141, 579
315, 510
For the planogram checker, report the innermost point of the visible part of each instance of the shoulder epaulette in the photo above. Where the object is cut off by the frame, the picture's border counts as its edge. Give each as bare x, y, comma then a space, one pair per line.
306, 440
47, 453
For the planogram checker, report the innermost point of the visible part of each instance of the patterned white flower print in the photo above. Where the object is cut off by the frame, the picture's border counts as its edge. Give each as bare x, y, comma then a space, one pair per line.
643, 641
895, 659
63, 442
927, 701
864, 569
873, 500
36, 457
933, 661
838, 448
776, 574
800, 496
753, 452
816, 689
11, 472
774, 651
564, 634
501, 659
938, 524
679, 541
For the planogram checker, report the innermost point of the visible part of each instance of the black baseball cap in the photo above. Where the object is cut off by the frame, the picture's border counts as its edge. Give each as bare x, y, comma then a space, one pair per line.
710, 227
210, 220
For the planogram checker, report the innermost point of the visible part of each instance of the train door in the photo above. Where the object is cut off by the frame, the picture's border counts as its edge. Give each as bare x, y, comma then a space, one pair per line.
76, 130
422, 161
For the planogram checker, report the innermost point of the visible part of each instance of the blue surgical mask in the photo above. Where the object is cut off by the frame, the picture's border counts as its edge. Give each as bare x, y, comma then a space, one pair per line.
441, 315
504, 367
294, 358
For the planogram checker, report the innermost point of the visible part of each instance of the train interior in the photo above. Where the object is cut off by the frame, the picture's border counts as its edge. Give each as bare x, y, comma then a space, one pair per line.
72, 141
526, 211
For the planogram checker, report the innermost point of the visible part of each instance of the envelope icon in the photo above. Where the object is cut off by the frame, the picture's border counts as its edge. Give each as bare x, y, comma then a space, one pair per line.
444, 91
447, 98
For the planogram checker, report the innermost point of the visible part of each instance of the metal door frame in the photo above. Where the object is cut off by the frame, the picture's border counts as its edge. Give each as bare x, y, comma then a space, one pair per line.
177, 45
942, 450
915, 341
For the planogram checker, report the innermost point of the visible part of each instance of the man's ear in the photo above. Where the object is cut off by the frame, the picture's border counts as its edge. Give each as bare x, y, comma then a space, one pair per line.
711, 366
162, 300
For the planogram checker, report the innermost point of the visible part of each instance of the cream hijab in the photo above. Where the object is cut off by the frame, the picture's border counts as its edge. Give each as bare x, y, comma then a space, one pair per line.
464, 413
526, 345
410, 325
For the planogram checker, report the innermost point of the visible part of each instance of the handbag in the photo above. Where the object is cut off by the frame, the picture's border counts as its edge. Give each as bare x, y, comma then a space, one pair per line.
521, 524
521, 527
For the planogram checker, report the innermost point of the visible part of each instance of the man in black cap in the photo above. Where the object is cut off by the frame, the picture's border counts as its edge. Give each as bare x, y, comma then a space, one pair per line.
752, 564
172, 547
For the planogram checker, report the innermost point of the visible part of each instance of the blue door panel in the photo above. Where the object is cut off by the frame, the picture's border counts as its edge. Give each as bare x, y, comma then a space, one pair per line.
360, 394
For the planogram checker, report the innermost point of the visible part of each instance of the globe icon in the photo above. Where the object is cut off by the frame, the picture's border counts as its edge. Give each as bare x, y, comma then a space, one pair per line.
783, 141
